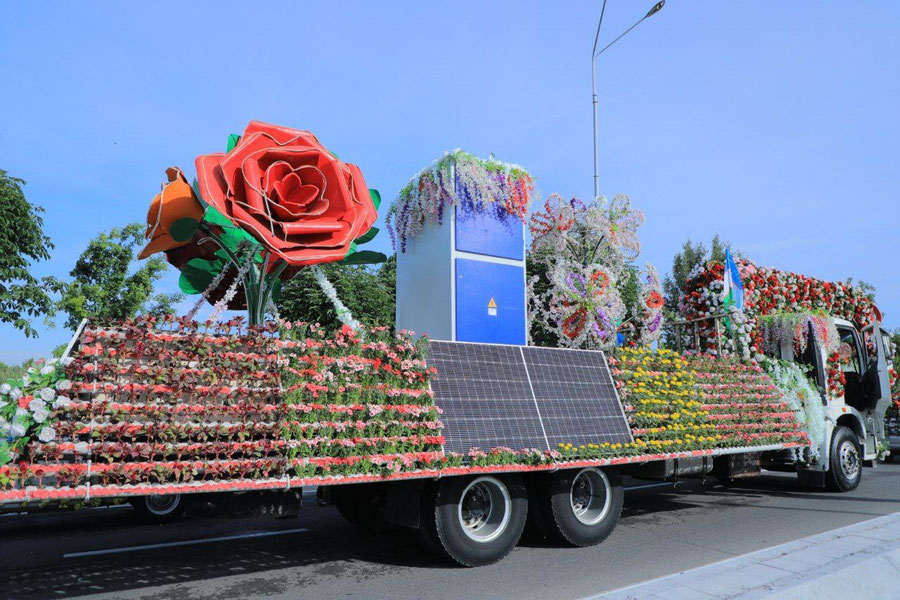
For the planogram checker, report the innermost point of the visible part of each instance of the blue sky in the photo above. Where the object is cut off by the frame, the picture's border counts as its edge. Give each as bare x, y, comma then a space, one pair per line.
774, 124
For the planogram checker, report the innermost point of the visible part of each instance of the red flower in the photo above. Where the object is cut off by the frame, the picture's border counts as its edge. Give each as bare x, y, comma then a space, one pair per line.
283, 187
654, 300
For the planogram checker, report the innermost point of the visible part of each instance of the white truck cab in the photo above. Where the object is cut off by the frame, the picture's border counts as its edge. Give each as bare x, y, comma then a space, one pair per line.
854, 415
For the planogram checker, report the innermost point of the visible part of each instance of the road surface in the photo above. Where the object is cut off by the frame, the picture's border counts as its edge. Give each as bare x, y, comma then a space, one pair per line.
107, 553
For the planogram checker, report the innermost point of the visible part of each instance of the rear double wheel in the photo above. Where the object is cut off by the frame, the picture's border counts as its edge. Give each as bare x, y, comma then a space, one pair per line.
474, 521
578, 507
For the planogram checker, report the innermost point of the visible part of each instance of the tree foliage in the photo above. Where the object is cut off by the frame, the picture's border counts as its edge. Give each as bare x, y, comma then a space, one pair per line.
105, 285
22, 242
16, 372
368, 292
684, 261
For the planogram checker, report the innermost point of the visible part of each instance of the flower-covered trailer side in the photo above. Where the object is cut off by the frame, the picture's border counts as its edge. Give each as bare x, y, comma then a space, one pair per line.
175, 406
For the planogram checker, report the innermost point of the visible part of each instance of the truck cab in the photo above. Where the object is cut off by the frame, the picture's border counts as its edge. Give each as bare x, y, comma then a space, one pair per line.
857, 403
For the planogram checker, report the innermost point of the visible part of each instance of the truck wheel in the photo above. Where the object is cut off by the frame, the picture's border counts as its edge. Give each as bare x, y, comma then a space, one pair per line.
580, 507
158, 508
475, 521
845, 461
361, 504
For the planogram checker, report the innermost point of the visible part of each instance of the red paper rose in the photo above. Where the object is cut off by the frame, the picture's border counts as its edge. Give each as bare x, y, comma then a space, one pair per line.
284, 188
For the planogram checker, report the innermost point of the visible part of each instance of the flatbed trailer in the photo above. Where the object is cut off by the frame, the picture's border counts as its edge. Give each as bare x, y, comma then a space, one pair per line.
471, 513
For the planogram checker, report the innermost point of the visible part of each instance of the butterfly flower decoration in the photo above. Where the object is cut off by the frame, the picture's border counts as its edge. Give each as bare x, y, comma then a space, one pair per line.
585, 306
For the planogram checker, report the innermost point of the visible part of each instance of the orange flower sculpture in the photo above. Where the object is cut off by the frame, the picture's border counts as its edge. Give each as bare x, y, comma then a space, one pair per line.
172, 214
285, 189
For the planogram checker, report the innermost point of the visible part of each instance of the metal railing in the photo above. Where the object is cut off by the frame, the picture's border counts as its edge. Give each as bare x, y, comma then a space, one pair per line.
694, 326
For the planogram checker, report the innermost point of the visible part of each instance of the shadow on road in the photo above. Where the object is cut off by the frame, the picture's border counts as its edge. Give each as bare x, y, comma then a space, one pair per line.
341, 550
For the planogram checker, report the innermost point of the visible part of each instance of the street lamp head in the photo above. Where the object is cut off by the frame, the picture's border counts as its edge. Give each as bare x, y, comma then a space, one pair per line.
656, 8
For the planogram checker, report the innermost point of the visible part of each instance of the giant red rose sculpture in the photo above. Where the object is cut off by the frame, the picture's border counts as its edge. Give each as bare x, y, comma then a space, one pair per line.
274, 202
290, 193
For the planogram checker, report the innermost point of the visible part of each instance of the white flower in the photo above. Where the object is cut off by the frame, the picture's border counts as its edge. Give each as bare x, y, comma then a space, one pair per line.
61, 402
47, 434
4, 427
3, 403
40, 415
36, 404
15, 394
63, 385
48, 394
20, 412
47, 370
81, 447
17, 430
5, 388
67, 361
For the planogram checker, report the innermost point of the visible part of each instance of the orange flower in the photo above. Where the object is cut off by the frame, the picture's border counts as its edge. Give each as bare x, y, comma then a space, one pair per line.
173, 217
654, 300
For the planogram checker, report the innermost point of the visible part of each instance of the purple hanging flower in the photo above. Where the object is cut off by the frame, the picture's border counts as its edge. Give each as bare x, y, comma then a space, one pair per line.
576, 283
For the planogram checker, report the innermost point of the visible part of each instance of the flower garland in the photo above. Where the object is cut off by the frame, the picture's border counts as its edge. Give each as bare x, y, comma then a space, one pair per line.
791, 330
455, 179
767, 292
343, 313
802, 396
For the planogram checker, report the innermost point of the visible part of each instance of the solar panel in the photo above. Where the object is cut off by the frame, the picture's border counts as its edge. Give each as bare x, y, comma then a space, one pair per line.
576, 396
524, 397
484, 392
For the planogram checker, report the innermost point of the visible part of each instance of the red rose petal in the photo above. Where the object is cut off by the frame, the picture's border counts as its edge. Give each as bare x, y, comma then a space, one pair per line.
212, 185
284, 135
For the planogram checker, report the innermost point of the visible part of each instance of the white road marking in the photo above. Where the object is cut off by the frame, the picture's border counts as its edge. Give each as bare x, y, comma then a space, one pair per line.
224, 538
649, 485
61, 510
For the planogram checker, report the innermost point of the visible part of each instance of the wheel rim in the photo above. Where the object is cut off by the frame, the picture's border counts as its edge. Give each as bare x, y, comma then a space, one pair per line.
590, 496
484, 509
160, 504
849, 459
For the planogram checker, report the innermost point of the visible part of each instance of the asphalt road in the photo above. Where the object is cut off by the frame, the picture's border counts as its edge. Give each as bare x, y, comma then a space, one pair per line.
106, 552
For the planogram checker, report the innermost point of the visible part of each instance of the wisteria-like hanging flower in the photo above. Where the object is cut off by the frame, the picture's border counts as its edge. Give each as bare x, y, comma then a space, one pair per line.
651, 304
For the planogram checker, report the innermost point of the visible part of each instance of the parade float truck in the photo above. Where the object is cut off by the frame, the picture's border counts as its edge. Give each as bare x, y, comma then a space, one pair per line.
465, 435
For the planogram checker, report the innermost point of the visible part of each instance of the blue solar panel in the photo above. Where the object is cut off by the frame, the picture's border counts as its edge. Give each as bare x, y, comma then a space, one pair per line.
524, 397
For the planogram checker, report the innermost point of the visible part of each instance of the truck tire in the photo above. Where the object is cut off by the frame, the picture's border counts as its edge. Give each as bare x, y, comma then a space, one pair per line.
845, 461
475, 521
158, 508
579, 507
361, 504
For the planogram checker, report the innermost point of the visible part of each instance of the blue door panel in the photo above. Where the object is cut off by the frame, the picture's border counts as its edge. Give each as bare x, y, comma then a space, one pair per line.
491, 231
477, 319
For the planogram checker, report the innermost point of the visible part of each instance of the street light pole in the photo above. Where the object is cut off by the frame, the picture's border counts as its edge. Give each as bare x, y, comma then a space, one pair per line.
594, 54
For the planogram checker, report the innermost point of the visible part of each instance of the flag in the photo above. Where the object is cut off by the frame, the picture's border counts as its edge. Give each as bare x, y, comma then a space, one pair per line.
733, 290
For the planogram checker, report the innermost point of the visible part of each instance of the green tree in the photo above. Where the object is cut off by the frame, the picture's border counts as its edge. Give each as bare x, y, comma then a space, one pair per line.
22, 242
14, 372
106, 286
685, 261
368, 292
